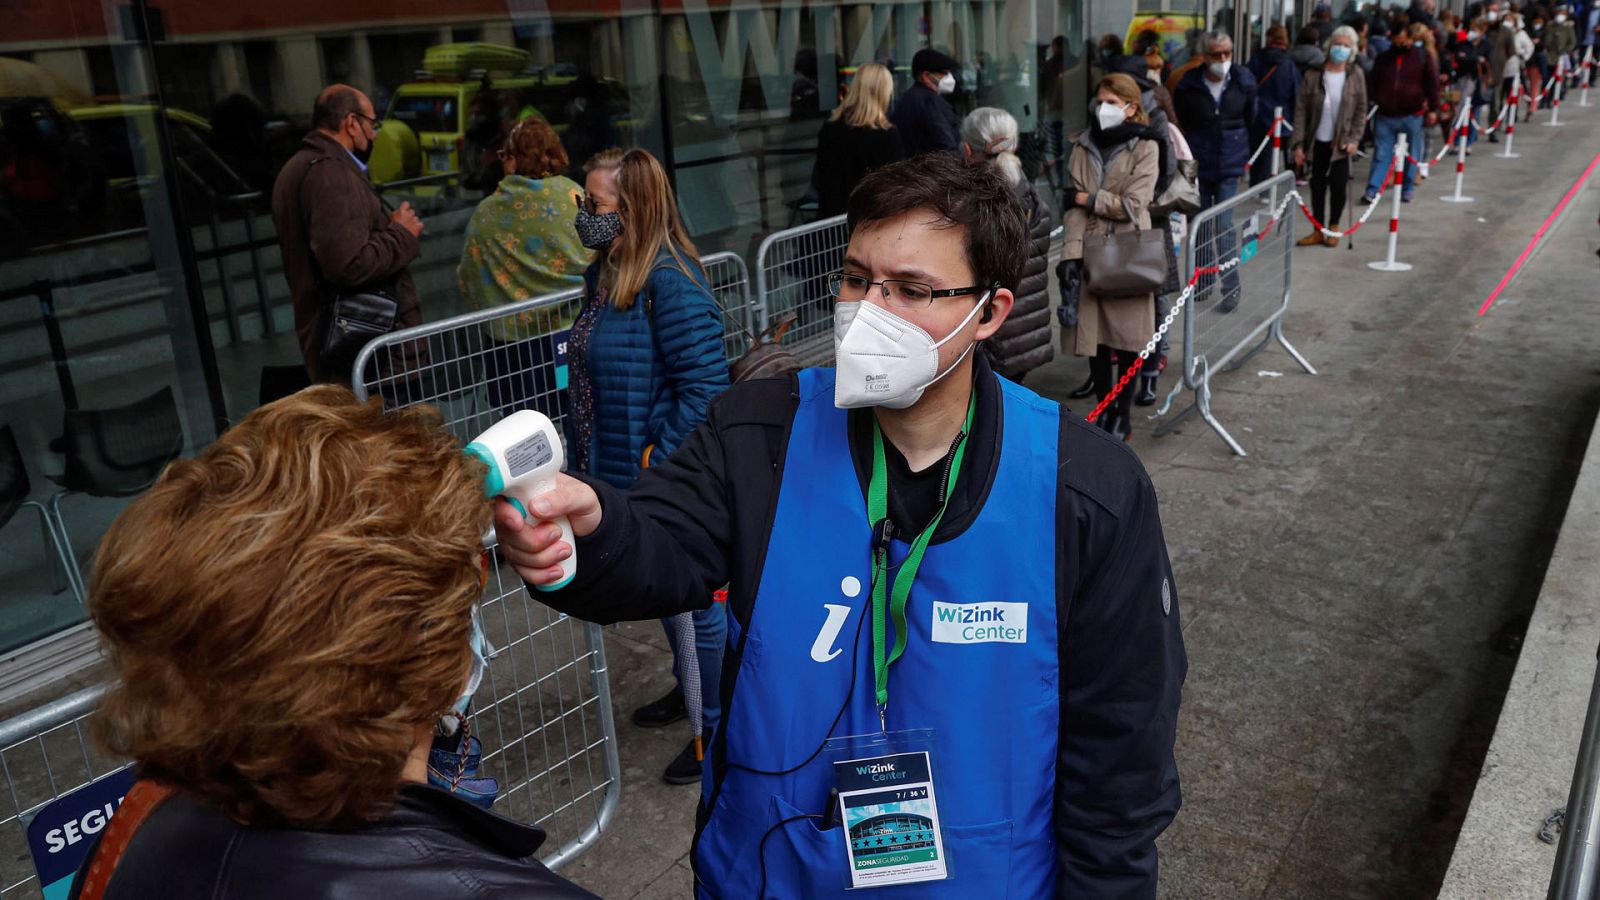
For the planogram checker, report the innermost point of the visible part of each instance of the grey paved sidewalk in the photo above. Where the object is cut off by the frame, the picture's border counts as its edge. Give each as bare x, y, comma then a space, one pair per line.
1355, 591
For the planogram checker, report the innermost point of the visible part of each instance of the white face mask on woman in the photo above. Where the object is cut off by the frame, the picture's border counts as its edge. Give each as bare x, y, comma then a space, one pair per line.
1110, 115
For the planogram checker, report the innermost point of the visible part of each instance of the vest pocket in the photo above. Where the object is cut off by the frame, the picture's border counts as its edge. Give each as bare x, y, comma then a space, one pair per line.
978, 858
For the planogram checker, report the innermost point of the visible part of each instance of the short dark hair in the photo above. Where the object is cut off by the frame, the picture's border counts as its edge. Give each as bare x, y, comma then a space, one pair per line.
332, 106
971, 195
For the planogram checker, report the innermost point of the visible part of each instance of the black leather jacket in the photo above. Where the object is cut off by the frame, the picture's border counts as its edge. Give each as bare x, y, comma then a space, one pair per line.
432, 845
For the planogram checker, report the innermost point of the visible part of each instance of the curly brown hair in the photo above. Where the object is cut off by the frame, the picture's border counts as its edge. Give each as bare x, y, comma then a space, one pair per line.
286, 611
536, 148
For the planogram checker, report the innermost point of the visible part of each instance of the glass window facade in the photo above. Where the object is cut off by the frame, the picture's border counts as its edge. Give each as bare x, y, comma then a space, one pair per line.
143, 305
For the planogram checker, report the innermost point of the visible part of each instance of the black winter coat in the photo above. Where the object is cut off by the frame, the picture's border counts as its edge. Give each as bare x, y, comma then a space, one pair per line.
1217, 132
703, 519
432, 845
1023, 342
927, 123
845, 154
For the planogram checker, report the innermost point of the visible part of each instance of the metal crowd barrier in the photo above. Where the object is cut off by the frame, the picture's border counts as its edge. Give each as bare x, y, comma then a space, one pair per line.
1233, 316
792, 266
45, 753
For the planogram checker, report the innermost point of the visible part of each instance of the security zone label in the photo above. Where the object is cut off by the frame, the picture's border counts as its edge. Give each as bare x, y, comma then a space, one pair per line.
891, 820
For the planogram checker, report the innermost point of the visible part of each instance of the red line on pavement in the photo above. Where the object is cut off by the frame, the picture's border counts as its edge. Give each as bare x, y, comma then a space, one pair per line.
1539, 235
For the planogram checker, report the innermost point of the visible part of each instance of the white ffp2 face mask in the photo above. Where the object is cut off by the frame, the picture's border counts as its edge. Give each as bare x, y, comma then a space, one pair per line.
947, 84
883, 360
1110, 115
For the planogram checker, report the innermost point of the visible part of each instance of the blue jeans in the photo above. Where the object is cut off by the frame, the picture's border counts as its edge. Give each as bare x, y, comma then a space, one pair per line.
1216, 245
710, 634
1386, 129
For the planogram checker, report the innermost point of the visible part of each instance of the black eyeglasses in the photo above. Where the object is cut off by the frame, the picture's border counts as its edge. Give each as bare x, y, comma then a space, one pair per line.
902, 294
375, 123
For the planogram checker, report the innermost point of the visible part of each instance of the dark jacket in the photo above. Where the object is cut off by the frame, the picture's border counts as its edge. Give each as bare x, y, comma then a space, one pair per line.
432, 845
702, 520
654, 368
1307, 57
845, 154
1023, 342
1277, 84
926, 122
1405, 82
335, 236
1217, 132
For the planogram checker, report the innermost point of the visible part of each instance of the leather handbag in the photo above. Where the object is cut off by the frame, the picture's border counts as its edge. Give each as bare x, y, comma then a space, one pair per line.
1125, 264
353, 321
1183, 192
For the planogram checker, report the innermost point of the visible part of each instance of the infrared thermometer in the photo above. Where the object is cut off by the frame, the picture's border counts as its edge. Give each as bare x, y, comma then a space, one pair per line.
523, 453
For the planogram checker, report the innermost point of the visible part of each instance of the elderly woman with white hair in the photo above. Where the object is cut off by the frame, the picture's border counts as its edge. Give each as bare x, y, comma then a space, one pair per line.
1023, 342
1329, 117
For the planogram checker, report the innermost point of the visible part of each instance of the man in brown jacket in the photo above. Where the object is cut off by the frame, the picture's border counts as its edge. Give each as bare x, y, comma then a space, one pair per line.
336, 234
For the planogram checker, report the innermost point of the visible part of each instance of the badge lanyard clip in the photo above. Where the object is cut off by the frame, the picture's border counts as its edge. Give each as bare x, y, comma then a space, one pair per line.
887, 602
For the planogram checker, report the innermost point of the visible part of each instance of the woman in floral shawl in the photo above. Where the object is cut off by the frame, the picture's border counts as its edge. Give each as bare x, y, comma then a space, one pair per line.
519, 245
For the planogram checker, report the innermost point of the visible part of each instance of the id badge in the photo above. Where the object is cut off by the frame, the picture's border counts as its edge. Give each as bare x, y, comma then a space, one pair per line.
889, 809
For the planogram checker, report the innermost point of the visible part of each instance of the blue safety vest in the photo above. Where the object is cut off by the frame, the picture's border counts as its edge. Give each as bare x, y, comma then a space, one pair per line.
990, 698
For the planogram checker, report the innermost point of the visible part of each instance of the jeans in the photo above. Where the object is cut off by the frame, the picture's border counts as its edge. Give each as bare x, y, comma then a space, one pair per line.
710, 634
1387, 128
1216, 245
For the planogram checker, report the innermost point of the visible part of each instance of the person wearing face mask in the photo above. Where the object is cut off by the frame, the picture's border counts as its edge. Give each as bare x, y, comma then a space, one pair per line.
1214, 103
1278, 83
1405, 87
283, 717
1007, 555
923, 116
1470, 65
645, 362
336, 234
1329, 118
1560, 39
1113, 173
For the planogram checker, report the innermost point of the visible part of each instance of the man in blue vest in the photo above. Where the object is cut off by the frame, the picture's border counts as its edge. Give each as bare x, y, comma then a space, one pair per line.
954, 662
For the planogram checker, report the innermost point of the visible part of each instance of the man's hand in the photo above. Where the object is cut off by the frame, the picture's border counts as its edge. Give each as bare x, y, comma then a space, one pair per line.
534, 546
407, 218
1299, 157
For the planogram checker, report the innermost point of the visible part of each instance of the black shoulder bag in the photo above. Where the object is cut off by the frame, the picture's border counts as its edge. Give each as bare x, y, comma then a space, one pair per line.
354, 317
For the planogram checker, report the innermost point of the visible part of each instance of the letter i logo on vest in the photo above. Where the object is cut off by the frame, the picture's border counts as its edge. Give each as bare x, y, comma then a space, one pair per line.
980, 623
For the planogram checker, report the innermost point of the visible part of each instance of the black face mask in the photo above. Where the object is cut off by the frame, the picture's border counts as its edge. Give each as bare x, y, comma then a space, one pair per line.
597, 231
363, 154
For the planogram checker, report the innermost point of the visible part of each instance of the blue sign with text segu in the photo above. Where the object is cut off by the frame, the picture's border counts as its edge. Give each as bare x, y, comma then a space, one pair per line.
61, 832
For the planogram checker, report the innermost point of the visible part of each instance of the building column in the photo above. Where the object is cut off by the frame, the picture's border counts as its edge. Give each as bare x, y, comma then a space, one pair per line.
362, 76
229, 71
297, 75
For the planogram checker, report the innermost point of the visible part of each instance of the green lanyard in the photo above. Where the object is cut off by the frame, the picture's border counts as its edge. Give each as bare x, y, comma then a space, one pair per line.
884, 605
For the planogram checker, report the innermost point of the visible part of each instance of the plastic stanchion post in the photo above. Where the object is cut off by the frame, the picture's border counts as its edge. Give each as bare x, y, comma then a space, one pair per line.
1588, 73
1511, 116
1277, 150
1555, 99
1388, 264
1462, 128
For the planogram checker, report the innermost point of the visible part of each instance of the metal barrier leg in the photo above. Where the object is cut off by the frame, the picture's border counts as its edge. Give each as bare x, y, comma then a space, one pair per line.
1167, 427
263, 301
1248, 354
1277, 332
222, 279
1203, 402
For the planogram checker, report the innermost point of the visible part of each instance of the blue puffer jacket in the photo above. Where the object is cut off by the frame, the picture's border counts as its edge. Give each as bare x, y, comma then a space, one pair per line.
655, 368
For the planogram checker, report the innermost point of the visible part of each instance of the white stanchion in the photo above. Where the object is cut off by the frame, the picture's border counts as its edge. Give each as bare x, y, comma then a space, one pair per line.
1588, 74
1461, 153
1511, 116
1560, 89
1388, 264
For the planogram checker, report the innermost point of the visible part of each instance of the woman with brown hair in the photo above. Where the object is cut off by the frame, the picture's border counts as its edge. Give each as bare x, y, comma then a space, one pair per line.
1113, 171
520, 245
856, 139
289, 616
646, 359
